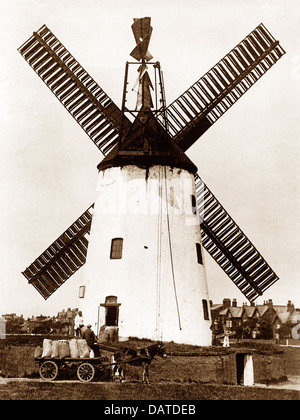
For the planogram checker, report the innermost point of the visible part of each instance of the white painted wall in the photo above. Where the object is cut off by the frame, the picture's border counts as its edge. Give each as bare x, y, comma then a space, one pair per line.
248, 370
131, 204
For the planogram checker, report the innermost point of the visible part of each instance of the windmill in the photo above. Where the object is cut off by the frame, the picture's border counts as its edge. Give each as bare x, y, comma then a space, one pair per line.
142, 262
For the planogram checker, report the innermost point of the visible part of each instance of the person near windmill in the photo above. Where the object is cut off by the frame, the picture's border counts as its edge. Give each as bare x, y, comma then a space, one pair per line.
91, 339
78, 324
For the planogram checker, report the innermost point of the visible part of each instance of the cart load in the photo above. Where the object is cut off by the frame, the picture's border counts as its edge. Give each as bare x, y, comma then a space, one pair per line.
75, 348
68, 356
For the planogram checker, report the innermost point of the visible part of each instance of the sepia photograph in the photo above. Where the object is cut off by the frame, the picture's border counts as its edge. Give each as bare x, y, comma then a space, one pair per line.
150, 202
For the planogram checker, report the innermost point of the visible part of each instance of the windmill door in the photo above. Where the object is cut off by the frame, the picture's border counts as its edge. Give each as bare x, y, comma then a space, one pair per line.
108, 319
244, 369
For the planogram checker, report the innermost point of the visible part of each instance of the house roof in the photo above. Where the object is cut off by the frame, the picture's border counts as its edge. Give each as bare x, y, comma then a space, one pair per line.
278, 312
250, 311
280, 309
262, 309
236, 311
216, 306
224, 311
233, 312
283, 314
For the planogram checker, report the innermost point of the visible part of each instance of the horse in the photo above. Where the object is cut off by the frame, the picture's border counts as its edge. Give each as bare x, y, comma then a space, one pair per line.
139, 357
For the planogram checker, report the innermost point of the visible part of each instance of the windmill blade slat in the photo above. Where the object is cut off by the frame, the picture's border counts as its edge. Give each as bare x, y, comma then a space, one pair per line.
54, 78
76, 255
243, 251
202, 98
80, 250
222, 86
48, 73
44, 66
68, 265
55, 277
213, 80
86, 113
59, 83
237, 249
229, 246
45, 60
49, 282
59, 274
64, 89
192, 97
62, 258
68, 81
259, 271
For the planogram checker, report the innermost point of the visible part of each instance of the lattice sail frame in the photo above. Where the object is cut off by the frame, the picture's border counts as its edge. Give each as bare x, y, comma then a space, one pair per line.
200, 106
62, 258
230, 248
189, 116
76, 90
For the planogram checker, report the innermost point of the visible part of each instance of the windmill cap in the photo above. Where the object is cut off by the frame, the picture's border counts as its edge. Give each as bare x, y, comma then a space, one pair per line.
147, 144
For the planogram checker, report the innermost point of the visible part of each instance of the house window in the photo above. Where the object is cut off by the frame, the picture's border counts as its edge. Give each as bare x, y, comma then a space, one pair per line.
81, 291
228, 323
116, 249
199, 254
194, 204
205, 309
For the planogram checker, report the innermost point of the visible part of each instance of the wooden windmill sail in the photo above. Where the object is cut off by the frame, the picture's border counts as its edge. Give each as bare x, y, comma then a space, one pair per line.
185, 121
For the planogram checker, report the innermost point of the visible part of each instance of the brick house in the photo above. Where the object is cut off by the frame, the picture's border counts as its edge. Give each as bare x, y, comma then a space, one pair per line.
66, 318
263, 320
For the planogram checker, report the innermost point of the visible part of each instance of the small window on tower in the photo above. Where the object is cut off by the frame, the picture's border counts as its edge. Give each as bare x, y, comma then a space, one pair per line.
194, 204
116, 249
81, 291
199, 254
205, 309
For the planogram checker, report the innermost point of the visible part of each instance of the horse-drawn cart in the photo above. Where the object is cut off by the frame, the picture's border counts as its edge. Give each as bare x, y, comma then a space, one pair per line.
85, 368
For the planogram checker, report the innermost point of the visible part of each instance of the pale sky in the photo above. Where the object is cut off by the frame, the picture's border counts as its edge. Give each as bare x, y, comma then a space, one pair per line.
249, 158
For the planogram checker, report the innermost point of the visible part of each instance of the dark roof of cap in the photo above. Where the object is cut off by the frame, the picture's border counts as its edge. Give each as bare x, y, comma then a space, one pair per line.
146, 144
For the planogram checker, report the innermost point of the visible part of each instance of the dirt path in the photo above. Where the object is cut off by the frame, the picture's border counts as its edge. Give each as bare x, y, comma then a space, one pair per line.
107, 392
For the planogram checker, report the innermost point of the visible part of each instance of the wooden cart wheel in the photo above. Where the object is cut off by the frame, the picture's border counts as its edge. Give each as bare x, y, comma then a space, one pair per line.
86, 372
48, 370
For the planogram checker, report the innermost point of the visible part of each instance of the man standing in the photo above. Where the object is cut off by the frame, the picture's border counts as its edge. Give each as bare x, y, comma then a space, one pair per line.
78, 324
90, 338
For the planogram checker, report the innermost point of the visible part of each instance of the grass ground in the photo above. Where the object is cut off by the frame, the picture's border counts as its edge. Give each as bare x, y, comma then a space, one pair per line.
36, 390
171, 389
292, 360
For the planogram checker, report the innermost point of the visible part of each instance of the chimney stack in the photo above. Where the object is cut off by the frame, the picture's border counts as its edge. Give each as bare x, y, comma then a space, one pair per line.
234, 303
226, 303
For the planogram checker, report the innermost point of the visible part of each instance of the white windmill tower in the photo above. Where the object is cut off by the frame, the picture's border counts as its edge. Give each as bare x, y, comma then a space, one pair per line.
145, 274
145, 244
